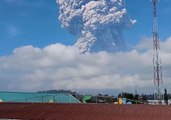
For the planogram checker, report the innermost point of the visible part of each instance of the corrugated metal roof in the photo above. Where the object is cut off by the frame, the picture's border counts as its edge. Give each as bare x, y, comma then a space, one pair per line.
51, 111
37, 97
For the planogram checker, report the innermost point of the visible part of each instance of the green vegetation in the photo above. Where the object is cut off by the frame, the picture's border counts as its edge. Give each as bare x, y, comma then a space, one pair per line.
58, 91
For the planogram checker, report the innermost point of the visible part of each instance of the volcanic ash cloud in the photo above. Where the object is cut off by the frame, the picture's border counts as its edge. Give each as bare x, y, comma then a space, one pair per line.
99, 24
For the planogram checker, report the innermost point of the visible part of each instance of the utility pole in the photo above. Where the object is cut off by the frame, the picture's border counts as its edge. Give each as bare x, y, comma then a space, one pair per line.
157, 68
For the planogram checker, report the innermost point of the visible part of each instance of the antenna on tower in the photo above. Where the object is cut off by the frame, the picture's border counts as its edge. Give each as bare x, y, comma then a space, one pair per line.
157, 68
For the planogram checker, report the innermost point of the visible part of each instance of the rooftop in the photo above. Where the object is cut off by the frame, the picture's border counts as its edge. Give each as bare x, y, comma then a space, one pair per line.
57, 111
37, 97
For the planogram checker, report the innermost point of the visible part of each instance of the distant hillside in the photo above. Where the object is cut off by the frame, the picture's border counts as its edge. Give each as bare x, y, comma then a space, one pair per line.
58, 91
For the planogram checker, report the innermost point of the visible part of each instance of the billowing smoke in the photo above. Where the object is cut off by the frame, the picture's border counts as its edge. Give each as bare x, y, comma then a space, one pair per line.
97, 23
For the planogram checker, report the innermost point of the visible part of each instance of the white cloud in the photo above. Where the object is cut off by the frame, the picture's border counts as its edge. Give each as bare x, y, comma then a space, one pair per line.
144, 45
63, 67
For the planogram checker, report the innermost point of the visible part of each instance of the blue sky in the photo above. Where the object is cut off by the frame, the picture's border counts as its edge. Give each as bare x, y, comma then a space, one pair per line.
34, 22
29, 31
30, 22
141, 10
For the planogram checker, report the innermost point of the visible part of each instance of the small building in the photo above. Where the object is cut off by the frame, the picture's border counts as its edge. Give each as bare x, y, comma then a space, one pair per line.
34, 97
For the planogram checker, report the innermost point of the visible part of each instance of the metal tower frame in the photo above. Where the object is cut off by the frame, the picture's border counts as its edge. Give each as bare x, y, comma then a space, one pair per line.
157, 68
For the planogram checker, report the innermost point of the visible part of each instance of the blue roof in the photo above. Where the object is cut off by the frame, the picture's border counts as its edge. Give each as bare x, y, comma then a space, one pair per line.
37, 97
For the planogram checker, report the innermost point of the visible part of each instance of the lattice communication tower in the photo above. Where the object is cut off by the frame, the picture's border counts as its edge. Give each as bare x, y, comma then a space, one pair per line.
158, 80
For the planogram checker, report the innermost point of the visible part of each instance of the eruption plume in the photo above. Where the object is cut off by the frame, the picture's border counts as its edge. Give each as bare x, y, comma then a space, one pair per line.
97, 23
